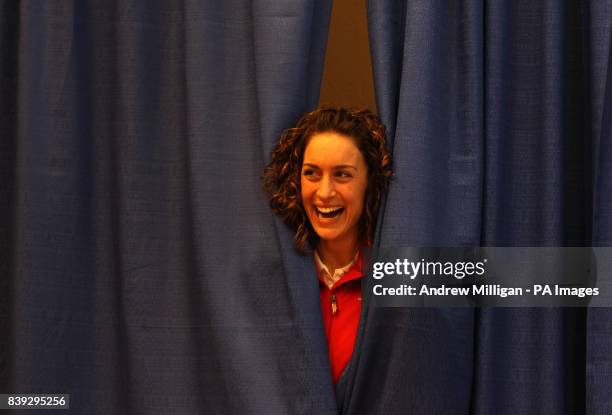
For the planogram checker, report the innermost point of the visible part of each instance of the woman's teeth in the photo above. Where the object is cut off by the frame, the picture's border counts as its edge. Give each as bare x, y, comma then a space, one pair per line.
329, 212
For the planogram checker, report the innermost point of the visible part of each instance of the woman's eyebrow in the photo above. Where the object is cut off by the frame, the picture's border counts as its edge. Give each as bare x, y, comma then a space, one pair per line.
345, 166
340, 166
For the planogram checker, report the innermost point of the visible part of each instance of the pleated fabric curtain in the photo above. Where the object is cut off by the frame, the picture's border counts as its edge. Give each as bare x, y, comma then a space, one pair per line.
141, 269
499, 116
599, 321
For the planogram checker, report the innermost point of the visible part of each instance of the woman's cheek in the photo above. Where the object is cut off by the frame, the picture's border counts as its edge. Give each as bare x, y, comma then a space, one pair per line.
307, 191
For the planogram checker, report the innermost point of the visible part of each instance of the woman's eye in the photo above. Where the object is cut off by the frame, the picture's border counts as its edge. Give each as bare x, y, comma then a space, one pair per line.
308, 173
343, 174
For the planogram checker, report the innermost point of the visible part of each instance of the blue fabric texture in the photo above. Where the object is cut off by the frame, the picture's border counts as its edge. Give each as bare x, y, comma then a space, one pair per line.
499, 120
145, 270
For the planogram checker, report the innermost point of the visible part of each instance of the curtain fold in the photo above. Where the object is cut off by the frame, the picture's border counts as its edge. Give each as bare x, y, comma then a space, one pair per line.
495, 110
599, 321
145, 271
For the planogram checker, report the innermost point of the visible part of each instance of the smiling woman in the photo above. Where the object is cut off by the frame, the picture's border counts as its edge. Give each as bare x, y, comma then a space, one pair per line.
333, 185
326, 180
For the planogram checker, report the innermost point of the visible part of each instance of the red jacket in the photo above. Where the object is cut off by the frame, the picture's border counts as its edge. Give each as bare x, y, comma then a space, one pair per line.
341, 308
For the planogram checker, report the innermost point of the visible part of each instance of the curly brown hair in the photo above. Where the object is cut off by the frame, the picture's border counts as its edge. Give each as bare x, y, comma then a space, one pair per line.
281, 179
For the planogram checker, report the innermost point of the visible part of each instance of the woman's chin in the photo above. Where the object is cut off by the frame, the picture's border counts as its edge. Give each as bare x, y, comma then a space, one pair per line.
328, 236
331, 235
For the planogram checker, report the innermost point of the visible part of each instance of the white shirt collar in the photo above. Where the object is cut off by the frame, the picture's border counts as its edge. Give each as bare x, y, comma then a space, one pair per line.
329, 279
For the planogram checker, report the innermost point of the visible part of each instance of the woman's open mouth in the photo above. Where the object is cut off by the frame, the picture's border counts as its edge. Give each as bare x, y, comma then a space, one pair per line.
329, 212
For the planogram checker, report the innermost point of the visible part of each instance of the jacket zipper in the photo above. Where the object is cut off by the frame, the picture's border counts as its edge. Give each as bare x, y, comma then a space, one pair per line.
334, 305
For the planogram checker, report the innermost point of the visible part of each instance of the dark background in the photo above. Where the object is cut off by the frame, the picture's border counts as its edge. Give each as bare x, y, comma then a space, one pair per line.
347, 72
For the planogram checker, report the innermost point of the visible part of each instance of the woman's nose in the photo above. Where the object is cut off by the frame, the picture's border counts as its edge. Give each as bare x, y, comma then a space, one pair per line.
327, 188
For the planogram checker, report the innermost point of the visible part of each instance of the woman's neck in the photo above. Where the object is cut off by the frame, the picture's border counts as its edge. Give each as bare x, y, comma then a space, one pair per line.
338, 253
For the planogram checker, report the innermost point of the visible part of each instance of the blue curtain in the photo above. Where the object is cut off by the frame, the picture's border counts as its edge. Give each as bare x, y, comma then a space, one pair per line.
141, 269
599, 321
142, 272
499, 113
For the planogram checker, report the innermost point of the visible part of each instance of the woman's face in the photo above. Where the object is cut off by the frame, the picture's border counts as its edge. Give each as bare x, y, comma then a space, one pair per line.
333, 185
